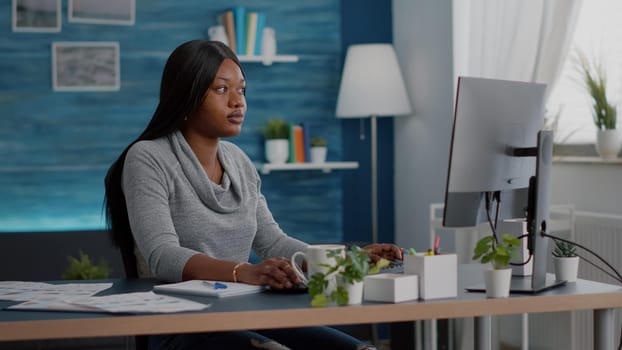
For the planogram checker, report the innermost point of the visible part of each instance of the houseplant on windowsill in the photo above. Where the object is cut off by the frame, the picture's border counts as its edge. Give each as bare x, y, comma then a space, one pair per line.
498, 253
319, 147
566, 261
276, 135
349, 272
604, 114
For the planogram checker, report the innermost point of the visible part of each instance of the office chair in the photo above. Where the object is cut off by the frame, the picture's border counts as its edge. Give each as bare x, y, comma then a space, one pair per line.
141, 342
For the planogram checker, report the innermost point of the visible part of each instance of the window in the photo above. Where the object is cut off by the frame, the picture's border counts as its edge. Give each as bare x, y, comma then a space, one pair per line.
599, 35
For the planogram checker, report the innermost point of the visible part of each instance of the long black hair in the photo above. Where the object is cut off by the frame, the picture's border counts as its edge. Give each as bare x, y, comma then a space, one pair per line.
188, 73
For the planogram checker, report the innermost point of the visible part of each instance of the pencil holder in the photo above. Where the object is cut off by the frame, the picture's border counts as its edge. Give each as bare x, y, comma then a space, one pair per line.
438, 274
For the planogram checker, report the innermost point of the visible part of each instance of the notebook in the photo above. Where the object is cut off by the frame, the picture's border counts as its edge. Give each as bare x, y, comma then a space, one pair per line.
208, 288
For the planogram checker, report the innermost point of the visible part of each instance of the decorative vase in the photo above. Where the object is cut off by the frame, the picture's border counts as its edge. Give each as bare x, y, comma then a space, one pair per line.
318, 154
566, 268
608, 143
277, 150
497, 282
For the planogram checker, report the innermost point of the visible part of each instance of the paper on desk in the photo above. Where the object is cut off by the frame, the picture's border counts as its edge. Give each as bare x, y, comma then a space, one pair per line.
139, 302
24, 291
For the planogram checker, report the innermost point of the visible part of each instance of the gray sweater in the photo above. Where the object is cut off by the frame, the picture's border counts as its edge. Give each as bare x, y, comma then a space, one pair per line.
175, 211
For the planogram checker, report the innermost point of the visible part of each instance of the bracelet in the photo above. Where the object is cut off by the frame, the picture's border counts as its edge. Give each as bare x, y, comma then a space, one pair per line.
235, 270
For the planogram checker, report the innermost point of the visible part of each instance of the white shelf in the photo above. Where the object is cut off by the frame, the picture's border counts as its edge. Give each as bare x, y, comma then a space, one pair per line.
268, 60
325, 167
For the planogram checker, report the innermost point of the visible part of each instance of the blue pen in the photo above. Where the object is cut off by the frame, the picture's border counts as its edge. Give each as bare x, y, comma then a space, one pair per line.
215, 285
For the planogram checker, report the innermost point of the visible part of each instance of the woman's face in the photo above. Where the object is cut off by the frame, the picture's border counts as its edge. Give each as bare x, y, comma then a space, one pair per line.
221, 113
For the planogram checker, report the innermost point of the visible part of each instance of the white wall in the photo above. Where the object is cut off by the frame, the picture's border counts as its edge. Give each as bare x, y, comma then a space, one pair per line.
422, 37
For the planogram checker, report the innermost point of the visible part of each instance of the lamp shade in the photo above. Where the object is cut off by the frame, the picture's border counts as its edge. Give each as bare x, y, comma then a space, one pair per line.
372, 83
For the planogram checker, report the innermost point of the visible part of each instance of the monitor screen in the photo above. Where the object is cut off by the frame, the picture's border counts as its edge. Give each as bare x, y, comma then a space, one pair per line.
492, 118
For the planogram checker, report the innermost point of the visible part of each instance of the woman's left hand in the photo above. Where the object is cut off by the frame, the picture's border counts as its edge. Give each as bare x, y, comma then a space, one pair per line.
384, 250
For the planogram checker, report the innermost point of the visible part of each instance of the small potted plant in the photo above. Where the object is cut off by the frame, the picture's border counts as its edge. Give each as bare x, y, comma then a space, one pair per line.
349, 272
566, 261
604, 114
84, 269
498, 253
276, 135
318, 149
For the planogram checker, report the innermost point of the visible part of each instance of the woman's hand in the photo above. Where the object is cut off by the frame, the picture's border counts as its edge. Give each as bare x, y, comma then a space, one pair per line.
384, 250
277, 273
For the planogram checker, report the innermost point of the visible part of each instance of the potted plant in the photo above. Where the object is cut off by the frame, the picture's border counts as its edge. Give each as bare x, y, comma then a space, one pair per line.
498, 253
276, 135
604, 114
84, 269
318, 149
566, 261
349, 272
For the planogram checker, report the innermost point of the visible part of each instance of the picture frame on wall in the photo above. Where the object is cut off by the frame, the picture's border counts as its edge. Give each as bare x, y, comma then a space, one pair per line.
86, 66
114, 12
36, 16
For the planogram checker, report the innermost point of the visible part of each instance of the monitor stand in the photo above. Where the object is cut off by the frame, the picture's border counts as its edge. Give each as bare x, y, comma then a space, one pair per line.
523, 285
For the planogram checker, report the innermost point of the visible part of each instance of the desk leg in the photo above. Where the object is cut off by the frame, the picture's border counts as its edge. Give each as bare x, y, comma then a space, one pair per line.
483, 333
603, 329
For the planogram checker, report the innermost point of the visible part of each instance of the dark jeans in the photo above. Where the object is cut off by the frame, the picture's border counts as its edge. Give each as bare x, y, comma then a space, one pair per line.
324, 338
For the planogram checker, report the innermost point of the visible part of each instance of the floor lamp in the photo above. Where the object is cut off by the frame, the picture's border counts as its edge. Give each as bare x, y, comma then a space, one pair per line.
371, 87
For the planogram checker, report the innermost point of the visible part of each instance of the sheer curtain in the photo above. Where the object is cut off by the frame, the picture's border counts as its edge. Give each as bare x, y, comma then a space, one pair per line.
516, 40
513, 39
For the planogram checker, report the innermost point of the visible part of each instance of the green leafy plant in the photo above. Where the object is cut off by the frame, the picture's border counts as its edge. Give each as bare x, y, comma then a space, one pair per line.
564, 249
83, 269
498, 253
604, 113
352, 268
318, 142
275, 128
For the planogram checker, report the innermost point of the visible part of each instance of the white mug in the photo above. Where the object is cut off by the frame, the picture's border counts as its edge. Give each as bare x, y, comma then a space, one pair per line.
218, 33
316, 255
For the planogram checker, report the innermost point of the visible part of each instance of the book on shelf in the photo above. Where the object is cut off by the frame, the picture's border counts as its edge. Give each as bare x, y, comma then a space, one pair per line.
299, 144
306, 133
261, 22
251, 32
239, 18
226, 19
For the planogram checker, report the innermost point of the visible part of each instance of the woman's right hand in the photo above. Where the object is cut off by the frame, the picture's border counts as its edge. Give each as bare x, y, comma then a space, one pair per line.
277, 273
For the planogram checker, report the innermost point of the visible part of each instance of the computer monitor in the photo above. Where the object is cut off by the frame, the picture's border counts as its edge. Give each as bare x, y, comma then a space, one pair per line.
500, 154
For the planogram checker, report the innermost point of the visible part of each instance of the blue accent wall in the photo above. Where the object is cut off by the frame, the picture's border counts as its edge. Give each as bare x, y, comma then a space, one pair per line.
55, 147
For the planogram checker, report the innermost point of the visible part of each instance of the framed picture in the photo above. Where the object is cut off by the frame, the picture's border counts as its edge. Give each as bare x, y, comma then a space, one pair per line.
116, 12
36, 15
85, 66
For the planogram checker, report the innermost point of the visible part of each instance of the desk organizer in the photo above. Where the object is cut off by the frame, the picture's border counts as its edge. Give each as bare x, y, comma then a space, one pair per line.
391, 287
438, 274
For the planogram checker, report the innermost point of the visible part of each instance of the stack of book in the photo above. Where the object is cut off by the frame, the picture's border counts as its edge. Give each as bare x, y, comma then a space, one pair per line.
299, 143
244, 30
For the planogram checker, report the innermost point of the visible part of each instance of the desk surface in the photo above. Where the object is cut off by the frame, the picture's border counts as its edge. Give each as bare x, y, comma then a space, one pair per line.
266, 310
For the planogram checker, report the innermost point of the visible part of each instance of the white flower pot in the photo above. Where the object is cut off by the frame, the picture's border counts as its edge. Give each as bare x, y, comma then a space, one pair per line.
608, 143
566, 268
497, 282
355, 291
277, 150
318, 154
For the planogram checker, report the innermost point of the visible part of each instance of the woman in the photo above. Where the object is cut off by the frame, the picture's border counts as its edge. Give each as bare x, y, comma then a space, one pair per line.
192, 203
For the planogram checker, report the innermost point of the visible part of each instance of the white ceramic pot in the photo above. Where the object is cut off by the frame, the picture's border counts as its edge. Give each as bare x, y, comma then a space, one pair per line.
497, 282
318, 154
608, 143
355, 291
277, 150
566, 268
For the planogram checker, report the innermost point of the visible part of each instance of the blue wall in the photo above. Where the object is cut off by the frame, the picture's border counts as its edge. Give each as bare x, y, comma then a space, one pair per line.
56, 146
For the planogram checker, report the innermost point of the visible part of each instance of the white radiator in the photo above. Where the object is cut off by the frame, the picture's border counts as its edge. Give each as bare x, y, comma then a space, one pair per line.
601, 233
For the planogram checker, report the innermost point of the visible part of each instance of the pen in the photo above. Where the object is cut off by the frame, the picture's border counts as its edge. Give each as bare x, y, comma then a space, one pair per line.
215, 285
412, 251
437, 245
